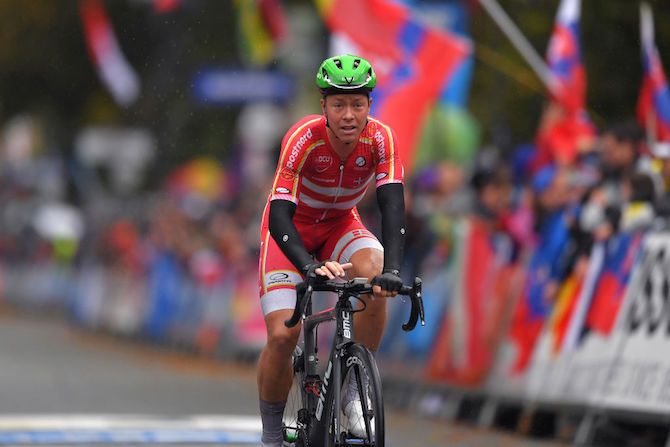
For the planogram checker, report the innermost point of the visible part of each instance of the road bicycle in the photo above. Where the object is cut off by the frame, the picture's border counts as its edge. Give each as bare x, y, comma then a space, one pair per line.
314, 415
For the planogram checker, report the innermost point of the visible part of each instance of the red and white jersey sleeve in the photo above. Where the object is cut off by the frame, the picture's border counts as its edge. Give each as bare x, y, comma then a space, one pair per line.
300, 140
389, 168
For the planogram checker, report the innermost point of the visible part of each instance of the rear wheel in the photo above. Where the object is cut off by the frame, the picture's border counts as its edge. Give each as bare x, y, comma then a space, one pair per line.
295, 417
362, 418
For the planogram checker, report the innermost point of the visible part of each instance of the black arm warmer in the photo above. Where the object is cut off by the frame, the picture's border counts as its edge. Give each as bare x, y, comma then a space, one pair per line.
391, 200
286, 235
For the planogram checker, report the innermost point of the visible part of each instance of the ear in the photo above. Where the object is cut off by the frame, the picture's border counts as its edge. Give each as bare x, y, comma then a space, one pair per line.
323, 105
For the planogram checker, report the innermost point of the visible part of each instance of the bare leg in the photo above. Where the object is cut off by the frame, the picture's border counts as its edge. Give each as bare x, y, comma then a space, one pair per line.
369, 325
274, 365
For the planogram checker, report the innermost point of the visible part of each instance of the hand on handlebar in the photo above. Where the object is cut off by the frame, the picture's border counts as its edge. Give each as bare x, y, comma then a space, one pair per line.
326, 269
387, 284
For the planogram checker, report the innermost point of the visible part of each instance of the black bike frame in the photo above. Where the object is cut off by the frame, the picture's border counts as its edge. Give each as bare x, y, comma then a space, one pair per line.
323, 395
324, 400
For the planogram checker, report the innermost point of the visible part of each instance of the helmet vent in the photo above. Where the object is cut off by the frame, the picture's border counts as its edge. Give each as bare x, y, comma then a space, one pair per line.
324, 73
357, 62
338, 63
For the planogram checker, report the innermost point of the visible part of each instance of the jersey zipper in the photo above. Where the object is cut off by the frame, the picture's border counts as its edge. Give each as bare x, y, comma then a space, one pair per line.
337, 192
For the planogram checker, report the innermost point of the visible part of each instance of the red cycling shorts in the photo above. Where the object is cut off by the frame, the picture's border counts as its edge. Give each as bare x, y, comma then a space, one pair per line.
336, 240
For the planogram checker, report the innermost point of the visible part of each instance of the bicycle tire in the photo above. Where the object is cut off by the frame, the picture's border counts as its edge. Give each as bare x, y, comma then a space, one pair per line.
358, 360
293, 430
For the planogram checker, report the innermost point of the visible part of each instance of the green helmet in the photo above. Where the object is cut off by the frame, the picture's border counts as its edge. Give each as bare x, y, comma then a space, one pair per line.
345, 74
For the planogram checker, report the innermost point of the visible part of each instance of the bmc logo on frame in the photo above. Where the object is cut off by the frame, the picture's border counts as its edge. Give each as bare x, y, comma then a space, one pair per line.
346, 323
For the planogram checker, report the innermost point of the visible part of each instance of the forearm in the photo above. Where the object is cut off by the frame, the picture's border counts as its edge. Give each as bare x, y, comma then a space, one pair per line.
391, 201
285, 233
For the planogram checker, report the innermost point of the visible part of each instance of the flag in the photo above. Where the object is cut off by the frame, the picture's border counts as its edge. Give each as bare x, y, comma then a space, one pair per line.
165, 6
566, 303
621, 254
565, 129
468, 338
653, 107
565, 59
262, 27
545, 273
413, 62
103, 47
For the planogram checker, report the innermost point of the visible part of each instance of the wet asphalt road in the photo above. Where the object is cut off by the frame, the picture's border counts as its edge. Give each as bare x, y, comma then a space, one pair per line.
61, 386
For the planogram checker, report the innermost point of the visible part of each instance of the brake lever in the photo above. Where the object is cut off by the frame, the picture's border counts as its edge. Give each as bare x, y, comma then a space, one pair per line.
303, 295
417, 307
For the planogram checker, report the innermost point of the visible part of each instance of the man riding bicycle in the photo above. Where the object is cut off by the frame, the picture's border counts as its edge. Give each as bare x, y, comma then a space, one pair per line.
311, 225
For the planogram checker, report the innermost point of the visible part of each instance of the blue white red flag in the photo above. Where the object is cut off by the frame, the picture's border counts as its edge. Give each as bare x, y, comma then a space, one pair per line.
546, 271
564, 58
566, 128
653, 107
412, 61
622, 253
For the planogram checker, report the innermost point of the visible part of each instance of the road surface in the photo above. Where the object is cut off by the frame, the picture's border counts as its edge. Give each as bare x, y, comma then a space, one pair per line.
62, 386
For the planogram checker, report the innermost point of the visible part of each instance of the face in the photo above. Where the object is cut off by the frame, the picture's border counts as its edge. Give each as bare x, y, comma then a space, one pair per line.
557, 195
617, 154
347, 115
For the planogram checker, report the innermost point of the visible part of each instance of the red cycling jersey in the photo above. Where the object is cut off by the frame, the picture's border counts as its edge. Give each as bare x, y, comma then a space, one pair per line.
324, 187
325, 190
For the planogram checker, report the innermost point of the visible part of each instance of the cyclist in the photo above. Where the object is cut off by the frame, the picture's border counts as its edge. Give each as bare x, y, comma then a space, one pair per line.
311, 226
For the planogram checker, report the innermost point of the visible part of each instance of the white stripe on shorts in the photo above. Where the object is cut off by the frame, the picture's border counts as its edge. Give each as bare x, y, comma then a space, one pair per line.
278, 299
359, 240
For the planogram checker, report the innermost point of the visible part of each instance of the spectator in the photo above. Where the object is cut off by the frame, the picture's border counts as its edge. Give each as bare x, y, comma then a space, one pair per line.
638, 210
493, 192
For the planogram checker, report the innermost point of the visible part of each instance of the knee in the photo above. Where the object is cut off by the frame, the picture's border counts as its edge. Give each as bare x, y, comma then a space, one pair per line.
367, 263
282, 339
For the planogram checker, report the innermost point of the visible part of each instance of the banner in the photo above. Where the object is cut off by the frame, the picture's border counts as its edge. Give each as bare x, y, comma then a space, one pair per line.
639, 380
413, 62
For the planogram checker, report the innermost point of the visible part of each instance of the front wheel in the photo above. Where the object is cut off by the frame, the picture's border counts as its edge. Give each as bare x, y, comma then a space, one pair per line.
295, 419
362, 416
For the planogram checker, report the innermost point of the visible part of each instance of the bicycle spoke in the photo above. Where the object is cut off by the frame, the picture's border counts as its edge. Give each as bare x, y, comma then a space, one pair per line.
295, 402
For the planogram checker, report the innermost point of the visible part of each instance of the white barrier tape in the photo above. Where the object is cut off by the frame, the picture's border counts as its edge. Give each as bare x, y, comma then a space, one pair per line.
124, 437
74, 421
120, 429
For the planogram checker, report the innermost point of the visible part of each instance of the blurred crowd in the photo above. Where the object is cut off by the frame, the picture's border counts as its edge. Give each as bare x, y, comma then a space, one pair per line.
550, 212
208, 220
